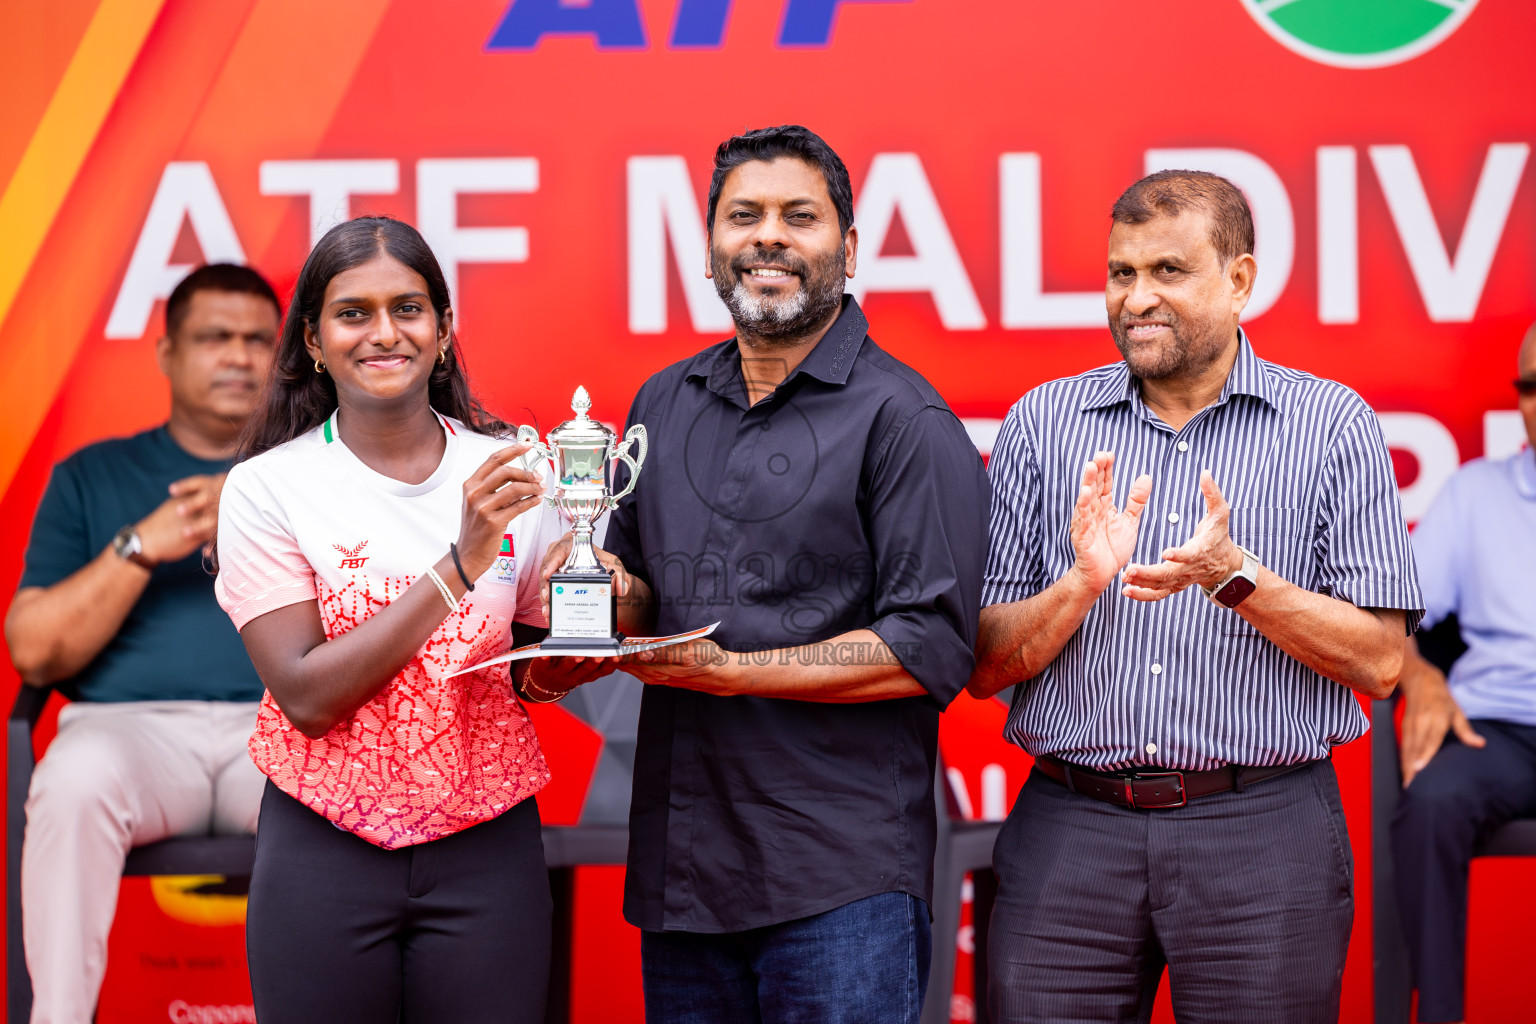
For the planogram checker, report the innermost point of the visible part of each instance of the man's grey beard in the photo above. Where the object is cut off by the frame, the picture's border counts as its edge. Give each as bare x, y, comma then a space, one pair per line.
1196, 345
783, 321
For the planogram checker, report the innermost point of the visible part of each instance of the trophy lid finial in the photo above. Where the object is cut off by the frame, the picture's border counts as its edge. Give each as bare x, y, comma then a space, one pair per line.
581, 430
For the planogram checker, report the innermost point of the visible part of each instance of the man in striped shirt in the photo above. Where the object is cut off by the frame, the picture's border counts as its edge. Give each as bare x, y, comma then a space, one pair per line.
1183, 811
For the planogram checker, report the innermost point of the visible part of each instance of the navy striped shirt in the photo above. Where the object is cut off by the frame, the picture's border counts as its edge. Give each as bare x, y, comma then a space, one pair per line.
1183, 683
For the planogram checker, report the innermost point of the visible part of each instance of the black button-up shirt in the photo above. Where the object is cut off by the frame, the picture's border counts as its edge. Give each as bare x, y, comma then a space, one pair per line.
850, 498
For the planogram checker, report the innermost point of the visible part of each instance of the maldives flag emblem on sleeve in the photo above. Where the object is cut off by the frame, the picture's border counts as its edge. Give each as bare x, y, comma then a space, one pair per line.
506, 560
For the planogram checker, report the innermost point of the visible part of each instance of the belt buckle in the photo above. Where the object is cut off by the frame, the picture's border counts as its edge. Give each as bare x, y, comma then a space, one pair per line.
1130, 791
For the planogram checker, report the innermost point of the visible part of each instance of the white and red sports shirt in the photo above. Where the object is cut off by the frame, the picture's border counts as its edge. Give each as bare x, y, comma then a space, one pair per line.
428, 755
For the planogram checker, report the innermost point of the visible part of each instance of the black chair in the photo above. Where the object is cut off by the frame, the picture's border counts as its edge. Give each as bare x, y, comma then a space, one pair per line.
1393, 979
565, 849
964, 847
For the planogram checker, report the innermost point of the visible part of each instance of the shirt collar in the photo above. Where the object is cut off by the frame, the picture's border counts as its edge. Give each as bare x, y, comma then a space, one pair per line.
331, 432
1525, 473
1248, 377
719, 366
834, 354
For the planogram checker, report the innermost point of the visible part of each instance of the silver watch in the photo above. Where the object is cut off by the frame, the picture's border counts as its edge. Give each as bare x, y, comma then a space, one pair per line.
1233, 590
127, 545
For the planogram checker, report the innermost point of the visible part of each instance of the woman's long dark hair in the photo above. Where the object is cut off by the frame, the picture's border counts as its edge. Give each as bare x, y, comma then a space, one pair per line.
297, 398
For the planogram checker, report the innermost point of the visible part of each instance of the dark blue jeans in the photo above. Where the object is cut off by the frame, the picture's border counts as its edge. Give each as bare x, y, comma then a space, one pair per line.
864, 963
1463, 795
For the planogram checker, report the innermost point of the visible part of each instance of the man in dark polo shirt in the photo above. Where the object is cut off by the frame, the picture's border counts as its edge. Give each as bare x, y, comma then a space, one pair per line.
115, 608
818, 498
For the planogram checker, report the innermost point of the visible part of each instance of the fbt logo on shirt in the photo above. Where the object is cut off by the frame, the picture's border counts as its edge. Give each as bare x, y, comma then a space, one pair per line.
506, 560
351, 559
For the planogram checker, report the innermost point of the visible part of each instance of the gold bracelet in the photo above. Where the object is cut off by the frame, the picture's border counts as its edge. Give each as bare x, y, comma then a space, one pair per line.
442, 588
529, 686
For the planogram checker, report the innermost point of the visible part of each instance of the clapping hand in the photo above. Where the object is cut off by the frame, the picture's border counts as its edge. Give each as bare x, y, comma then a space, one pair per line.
1206, 559
1103, 537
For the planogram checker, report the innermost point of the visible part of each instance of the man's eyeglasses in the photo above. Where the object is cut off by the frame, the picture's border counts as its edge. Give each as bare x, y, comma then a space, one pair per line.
1526, 386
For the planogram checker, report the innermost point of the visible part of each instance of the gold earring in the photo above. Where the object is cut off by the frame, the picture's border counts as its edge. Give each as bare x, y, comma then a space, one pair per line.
319, 366
442, 356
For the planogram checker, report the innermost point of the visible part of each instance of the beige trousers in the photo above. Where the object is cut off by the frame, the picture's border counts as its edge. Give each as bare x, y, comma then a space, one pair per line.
119, 775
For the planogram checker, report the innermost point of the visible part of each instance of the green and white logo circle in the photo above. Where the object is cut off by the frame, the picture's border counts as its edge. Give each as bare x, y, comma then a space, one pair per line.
1360, 33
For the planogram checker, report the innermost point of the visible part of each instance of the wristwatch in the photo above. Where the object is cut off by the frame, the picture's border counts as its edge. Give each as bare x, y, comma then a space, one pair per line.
127, 545
1233, 590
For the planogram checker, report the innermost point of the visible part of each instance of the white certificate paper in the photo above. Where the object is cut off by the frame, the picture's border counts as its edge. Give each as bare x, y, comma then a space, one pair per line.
629, 645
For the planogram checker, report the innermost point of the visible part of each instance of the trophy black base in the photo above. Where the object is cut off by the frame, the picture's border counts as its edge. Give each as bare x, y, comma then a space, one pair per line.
583, 612
586, 645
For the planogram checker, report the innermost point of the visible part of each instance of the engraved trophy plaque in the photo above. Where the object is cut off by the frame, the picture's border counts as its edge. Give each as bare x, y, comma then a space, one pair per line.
583, 602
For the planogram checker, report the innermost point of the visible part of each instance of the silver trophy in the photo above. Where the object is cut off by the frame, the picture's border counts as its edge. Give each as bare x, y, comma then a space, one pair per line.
583, 603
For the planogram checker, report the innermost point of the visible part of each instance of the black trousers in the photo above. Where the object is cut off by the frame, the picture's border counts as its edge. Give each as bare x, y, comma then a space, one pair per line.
1247, 899
1461, 796
455, 930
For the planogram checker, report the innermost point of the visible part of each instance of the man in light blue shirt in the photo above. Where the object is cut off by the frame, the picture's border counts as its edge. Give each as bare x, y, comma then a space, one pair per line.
1469, 742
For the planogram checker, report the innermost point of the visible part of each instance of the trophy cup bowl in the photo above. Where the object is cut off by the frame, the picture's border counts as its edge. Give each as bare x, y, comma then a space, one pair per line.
583, 602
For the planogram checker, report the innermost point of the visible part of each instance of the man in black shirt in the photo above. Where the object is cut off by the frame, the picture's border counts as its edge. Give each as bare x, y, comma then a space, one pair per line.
115, 608
818, 498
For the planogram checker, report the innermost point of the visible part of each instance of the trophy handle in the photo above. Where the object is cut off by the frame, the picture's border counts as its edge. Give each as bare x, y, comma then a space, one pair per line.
636, 436
537, 450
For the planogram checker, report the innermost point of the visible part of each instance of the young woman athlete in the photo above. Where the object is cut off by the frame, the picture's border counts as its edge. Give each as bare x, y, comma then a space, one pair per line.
379, 534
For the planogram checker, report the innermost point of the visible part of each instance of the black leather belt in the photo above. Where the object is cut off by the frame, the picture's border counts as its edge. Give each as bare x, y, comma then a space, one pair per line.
1156, 788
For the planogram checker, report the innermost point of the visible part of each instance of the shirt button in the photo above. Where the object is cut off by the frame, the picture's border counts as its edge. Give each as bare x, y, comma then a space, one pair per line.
1151, 748
1183, 446
1173, 517
1157, 669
